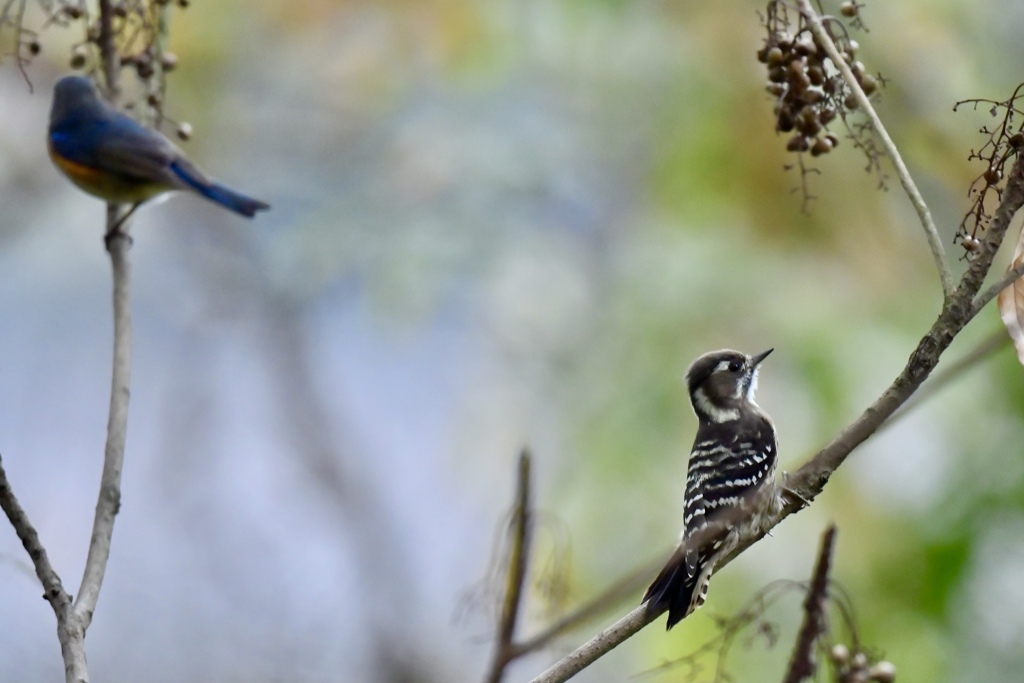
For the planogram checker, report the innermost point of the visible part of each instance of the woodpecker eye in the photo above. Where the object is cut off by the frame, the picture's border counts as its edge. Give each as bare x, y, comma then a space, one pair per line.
735, 366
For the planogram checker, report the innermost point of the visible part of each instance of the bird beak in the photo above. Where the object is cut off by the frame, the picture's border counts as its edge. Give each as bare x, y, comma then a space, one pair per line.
756, 360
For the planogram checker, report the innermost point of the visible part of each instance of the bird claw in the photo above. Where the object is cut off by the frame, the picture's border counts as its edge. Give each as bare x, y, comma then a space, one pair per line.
117, 234
793, 492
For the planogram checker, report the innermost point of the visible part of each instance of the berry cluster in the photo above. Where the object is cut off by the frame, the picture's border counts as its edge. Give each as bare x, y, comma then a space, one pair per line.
810, 93
1004, 142
857, 668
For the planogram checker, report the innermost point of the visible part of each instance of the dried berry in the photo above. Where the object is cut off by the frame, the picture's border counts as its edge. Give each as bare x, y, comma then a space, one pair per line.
869, 84
822, 146
797, 143
169, 61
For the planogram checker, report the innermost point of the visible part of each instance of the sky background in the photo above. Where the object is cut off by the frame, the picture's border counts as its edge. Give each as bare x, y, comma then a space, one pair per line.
496, 224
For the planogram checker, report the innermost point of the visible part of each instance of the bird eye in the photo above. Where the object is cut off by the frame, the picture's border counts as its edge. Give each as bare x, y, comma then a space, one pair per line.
735, 366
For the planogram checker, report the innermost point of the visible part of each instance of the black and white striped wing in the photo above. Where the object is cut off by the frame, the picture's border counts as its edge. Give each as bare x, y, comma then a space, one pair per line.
729, 464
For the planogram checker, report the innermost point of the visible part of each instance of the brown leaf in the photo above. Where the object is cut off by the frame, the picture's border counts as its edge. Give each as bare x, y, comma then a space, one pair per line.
1011, 302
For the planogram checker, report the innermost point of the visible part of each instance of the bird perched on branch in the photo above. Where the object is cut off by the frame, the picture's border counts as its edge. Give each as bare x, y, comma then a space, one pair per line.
730, 480
114, 157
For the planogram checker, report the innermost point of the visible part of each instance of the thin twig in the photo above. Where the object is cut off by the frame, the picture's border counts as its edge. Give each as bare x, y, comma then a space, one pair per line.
109, 58
992, 292
118, 242
618, 591
812, 477
69, 631
923, 213
801, 663
53, 589
518, 557
938, 381
109, 500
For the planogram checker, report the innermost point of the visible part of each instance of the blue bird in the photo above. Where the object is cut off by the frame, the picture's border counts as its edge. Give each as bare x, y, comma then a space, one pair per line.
112, 156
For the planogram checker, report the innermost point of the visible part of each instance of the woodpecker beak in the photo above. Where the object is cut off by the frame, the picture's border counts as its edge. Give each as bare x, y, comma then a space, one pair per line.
756, 360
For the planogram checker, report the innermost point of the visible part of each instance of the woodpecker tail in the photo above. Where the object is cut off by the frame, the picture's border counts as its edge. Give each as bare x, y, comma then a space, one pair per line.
679, 588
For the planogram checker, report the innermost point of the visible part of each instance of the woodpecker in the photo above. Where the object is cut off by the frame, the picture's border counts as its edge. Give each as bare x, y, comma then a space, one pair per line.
730, 479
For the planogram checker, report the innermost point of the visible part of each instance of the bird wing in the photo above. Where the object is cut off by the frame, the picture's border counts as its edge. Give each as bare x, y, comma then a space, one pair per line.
119, 145
135, 151
729, 461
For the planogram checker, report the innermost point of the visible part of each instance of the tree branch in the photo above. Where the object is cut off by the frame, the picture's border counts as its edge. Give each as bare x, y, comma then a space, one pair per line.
109, 500
812, 477
924, 215
627, 585
118, 242
992, 292
801, 663
518, 558
72, 638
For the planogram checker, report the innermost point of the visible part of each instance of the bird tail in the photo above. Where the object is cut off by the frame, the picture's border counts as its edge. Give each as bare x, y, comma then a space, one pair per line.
225, 196
678, 589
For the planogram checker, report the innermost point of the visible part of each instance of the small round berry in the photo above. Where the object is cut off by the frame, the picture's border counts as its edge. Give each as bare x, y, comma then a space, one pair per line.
848, 9
169, 61
34, 47
79, 56
869, 84
184, 131
813, 96
797, 143
993, 175
785, 121
883, 672
822, 146
840, 654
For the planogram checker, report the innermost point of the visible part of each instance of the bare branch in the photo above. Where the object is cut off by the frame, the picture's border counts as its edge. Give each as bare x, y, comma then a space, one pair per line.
118, 243
109, 58
941, 378
801, 663
53, 589
923, 213
992, 292
518, 557
69, 631
598, 646
618, 591
109, 500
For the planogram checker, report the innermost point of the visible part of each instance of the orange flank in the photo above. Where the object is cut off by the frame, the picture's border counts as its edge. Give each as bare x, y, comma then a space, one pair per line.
106, 186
